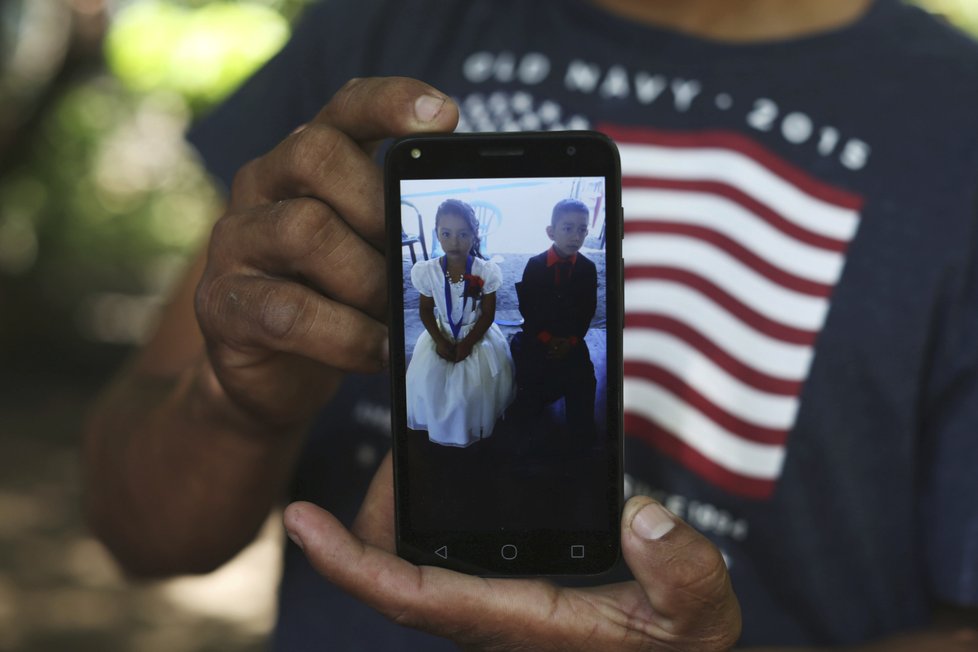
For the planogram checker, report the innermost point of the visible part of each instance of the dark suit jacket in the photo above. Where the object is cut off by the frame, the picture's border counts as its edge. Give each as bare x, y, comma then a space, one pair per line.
563, 310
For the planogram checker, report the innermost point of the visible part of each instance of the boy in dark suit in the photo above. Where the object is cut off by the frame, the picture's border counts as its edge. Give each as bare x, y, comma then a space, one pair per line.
558, 297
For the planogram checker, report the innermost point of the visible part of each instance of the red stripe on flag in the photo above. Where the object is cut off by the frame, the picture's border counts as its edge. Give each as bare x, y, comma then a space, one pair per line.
684, 392
757, 208
729, 140
664, 441
738, 309
748, 375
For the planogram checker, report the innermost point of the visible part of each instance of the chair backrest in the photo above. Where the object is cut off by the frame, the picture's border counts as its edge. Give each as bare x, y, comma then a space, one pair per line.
407, 208
489, 217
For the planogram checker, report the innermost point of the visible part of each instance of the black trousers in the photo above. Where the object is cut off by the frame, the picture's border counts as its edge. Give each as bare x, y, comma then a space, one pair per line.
541, 381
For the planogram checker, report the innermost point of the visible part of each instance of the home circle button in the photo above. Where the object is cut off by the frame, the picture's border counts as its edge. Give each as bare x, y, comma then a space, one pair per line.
508, 552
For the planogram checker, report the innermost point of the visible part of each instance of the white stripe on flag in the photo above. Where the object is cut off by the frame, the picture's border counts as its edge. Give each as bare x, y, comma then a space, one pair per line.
767, 355
734, 277
744, 457
746, 174
737, 223
709, 379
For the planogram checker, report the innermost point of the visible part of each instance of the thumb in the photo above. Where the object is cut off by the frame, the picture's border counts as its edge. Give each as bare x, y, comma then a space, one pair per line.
374, 523
683, 576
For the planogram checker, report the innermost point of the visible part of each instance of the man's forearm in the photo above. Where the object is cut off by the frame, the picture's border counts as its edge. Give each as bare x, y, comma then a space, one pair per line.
950, 638
178, 479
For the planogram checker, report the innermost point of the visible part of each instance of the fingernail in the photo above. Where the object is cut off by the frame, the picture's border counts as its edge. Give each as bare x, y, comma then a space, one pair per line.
295, 538
652, 522
427, 107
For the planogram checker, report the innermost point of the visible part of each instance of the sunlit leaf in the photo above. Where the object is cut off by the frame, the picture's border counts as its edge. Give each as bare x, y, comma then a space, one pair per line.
963, 13
201, 53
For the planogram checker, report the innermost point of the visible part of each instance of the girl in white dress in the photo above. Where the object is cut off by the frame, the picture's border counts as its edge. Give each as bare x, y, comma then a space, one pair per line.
460, 378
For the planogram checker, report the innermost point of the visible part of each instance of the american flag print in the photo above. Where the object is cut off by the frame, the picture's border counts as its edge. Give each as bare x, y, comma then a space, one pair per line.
731, 255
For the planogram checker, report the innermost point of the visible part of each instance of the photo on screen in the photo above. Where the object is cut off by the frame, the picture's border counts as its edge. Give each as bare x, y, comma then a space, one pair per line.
504, 291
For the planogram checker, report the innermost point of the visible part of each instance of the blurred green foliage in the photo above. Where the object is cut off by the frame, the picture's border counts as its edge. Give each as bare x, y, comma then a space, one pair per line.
201, 53
108, 201
105, 202
963, 13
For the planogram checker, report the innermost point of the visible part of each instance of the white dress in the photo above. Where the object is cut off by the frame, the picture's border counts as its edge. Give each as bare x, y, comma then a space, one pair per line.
458, 403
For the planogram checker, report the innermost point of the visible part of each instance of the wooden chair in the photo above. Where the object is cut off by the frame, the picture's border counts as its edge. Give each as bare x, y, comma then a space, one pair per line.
411, 239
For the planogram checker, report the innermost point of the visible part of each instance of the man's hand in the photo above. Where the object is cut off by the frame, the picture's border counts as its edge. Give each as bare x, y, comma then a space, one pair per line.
294, 291
681, 598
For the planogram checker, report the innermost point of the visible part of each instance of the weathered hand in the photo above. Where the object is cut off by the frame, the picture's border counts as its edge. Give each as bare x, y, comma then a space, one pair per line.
294, 292
681, 598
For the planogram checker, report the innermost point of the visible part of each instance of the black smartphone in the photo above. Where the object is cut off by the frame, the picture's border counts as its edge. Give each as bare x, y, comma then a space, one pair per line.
506, 301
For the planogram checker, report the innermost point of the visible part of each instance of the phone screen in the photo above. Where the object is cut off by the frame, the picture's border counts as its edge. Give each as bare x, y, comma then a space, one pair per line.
506, 351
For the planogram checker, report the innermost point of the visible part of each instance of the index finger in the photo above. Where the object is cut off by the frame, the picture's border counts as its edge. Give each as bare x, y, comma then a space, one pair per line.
327, 160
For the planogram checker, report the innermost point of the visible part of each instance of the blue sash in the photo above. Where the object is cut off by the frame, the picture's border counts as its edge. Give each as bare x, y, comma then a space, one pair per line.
456, 328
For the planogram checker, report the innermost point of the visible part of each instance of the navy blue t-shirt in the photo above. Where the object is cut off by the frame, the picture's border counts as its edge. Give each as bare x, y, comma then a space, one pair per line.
801, 338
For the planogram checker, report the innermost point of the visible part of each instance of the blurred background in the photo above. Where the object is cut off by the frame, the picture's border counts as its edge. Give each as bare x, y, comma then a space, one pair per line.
100, 205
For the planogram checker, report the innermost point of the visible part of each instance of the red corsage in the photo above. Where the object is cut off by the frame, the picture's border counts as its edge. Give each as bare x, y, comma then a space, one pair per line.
473, 286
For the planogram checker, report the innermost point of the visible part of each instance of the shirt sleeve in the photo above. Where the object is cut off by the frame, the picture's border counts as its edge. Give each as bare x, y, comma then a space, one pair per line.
949, 448
421, 279
492, 277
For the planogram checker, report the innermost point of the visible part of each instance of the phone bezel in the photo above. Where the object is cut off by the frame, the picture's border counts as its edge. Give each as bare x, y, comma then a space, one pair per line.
509, 155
